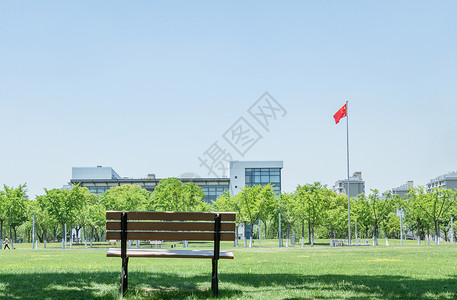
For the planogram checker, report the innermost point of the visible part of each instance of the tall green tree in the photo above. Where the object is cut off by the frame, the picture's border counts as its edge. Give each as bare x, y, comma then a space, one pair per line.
126, 197
15, 207
172, 195
44, 220
360, 210
95, 217
63, 206
316, 200
435, 204
3, 210
285, 204
253, 202
192, 199
336, 216
301, 209
228, 203
379, 210
410, 205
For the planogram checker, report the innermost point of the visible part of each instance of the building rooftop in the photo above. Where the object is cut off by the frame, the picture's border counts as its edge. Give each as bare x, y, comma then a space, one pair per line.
450, 175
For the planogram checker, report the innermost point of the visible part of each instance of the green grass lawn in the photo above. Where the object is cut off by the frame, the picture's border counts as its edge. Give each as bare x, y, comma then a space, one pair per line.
322, 272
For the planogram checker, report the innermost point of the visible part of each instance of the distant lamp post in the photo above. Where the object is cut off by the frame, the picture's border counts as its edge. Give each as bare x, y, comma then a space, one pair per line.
452, 231
401, 214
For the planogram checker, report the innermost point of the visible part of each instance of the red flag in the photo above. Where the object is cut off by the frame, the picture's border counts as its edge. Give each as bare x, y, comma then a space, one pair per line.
340, 114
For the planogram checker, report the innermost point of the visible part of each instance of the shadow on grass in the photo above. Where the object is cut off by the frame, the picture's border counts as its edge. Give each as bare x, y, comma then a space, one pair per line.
149, 285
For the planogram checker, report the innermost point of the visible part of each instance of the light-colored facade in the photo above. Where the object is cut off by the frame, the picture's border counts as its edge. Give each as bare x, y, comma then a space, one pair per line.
100, 179
98, 172
356, 185
402, 190
212, 187
249, 173
447, 181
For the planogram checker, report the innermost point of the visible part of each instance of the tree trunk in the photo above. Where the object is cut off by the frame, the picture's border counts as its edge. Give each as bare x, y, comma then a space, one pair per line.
40, 237
245, 234
77, 228
312, 234
439, 233
250, 238
91, 235
303, 233
428, 234
259, 235
44, 238
436, 232
12, 240
71, 237
15, 235
309, 232
287, 235
375, 234
1, 234
235, 242
84, 232
63, 235
418, 231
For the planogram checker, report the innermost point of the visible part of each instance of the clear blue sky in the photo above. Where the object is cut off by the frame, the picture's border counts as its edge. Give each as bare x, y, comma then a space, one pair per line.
148, 86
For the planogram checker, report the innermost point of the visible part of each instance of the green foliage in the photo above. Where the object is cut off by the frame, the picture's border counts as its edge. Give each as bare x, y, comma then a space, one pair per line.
378, 210
172, 195
255, 201
126, 197
336, 216
228, 203
15, 205
286, 205
313, 204
63, 205
392, 226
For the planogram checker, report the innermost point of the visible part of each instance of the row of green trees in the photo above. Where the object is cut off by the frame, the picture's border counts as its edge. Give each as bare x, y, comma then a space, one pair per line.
78, 209
321, 210
311, 209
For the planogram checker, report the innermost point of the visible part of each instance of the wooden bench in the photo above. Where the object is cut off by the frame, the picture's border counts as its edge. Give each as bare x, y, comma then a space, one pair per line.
155, 243
337, 243
170, 226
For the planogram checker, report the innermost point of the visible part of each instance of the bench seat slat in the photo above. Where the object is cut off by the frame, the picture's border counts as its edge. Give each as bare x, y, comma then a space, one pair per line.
170, 236
171, 216
166, 253
170, 226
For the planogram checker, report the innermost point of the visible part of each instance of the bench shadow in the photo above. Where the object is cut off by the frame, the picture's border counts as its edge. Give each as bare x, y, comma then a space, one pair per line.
150, 285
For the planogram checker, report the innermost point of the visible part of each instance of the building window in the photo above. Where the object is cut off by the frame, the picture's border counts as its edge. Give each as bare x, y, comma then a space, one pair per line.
264, 176
212, 192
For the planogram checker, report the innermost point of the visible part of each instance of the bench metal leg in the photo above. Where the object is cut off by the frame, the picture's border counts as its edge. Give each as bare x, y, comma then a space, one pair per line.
124, 276
215, 280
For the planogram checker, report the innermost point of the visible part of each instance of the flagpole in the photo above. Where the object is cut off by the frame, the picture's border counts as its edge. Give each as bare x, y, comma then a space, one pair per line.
347, 190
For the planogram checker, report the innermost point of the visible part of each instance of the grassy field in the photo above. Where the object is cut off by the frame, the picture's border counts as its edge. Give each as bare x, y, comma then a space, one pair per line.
322, 272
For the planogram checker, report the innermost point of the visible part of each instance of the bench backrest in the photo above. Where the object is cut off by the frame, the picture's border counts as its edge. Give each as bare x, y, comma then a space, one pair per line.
170, 226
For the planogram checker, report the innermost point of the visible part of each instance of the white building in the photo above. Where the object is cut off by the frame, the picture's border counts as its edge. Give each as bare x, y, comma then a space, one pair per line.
447, 181
249, 173
356, 185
